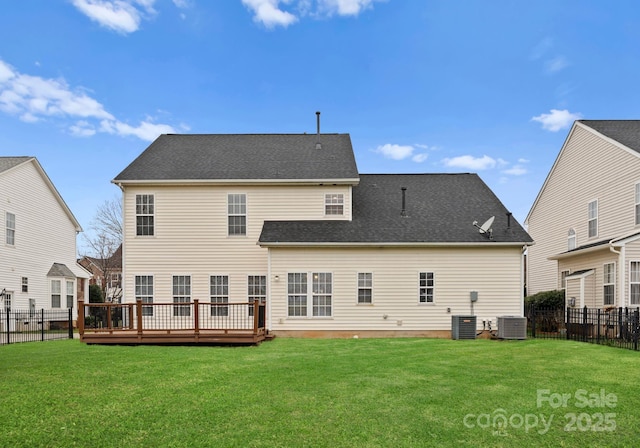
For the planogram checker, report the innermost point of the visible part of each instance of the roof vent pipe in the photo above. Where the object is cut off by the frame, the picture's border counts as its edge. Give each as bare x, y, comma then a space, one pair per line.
403, 213
509, 220
318, 144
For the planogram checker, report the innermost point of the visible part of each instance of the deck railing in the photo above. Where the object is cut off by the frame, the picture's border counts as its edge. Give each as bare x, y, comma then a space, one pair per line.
196, 316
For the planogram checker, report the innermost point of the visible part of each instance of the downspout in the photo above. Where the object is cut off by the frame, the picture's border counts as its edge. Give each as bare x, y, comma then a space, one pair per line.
267, 309
621, 257
124, 247
523, 280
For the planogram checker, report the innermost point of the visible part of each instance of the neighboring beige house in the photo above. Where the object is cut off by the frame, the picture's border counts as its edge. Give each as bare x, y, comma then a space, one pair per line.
38, 266
287, 219
586, 218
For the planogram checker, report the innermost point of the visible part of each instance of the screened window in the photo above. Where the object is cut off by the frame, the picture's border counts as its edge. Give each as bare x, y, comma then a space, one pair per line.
297, 294
25, 284
609, 281
10, 229
634, 283
145, 212
55, 293
365, 287
70, 288
571, 239
256, 290
593, 219
237, 214
638, 203
563, 279
144, 292
181, 294
219, 293
334, 204
426, 287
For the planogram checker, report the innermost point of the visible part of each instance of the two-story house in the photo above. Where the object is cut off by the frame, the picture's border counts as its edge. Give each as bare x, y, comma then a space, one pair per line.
586, 218
106, 272
38, 250
288, 220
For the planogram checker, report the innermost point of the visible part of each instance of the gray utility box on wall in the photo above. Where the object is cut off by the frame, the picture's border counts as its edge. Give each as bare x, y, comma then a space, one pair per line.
463, 327
512, 327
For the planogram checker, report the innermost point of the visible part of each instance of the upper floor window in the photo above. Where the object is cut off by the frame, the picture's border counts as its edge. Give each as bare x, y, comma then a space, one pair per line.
237, 213
571, 239
11, 229
638, 203
609, 283
593, 218
25, 284
426, 287
144, 292
334, 204
145, 211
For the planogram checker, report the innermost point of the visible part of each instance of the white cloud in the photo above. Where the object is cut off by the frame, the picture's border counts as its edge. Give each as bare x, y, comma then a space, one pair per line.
522, 160
123, 16
470, 162
395, 152
344, 7
181, 3
269, 14
541, 48
556, 119
419, 158
556, 64
33, 98
516, 170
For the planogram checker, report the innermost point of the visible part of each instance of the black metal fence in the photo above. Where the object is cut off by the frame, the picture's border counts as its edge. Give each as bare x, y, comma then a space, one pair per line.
617, 327
35, 325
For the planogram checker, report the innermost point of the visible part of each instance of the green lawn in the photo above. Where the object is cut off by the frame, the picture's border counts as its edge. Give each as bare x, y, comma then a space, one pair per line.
310, 392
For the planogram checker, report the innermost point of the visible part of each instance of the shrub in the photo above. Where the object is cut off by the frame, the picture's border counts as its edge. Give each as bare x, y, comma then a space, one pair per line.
546, 299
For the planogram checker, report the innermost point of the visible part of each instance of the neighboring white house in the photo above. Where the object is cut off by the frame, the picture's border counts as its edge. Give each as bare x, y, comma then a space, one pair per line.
288, 219
38, 250
586, 218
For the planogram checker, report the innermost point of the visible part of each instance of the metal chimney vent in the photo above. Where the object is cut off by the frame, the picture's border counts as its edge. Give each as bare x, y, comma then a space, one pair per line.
318, 144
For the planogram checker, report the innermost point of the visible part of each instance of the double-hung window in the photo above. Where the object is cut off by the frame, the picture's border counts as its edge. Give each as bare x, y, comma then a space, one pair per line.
25, 284
426, 291
571, 239
563, 279
145, 214
609, 280
181, 294
55, 293
365, 287
593, 218
237, 214
219, 293
256, 290
10, 229
70, 288
320, 292
637, 201
334, 204
144, 292
634, 283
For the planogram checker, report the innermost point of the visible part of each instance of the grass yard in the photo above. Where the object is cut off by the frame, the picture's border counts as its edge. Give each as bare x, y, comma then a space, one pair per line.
315, 393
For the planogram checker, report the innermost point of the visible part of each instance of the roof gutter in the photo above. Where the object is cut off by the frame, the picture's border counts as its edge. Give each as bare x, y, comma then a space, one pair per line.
345, 181
518, 244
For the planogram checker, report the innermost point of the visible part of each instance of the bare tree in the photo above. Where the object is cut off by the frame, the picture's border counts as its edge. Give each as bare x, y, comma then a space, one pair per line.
104, 244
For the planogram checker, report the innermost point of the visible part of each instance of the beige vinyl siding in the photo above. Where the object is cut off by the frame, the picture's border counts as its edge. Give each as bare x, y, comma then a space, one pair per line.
44, 235
588, 168
596, 261
495, 273
190, 234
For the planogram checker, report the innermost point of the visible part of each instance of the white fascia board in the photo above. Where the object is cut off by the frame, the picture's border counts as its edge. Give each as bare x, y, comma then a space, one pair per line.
373, 244
581, 275
587, 250
348, 181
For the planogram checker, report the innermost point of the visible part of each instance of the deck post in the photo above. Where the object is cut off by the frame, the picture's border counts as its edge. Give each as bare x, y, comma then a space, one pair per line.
256, 318
139, 315
80, 318
196, 317
109, 323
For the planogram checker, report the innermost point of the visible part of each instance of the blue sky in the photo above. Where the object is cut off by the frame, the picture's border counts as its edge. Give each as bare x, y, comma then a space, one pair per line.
421, 86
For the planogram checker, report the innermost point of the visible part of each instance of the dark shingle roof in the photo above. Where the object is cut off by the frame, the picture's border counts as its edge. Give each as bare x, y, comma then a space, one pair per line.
9, 162
441, 208
626, 132
244, 157
60, 270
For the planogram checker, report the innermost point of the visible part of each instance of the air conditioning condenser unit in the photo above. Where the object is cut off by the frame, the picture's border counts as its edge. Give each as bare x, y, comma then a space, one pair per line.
512, 327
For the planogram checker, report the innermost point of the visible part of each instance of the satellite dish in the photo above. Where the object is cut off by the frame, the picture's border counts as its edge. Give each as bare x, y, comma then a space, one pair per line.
486, 227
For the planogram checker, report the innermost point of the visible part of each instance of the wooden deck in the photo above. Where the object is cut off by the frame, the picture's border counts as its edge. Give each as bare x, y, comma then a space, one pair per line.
172, 324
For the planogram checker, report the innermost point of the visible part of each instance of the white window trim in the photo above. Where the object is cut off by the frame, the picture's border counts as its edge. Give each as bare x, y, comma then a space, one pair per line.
153, 215
328, 202
59, 293
73, 293
427, 271
309, 295
633, 283
153, 294
573, 237
245, 214
263, 299
612, 283
596, 219
7, 228
190, 295
358, 288
563, 281
225, 311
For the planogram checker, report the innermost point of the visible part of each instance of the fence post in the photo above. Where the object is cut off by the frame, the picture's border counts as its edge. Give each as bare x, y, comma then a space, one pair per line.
598, 321
619, 335
70, 323
109, 323
255, 316
42, 324
8, 321
196, 317
139, 315
533, 321
568, 323
584, 323
636, 328
81, 317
